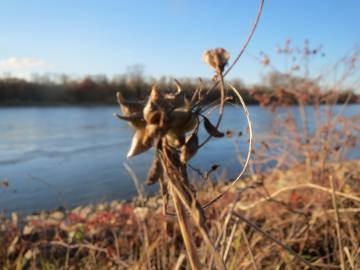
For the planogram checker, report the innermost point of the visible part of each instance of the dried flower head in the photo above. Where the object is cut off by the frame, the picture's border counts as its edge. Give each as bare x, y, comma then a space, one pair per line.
217, 59
168, 116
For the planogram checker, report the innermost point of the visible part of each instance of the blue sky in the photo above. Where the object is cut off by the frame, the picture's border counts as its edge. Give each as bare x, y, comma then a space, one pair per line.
166, 37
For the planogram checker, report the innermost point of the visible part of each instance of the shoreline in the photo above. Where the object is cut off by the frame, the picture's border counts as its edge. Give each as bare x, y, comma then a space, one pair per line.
48, 236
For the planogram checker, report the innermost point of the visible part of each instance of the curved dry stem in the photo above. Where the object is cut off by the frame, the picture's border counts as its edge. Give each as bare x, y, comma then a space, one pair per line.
256, 22
246, 43
300, 186
249, 149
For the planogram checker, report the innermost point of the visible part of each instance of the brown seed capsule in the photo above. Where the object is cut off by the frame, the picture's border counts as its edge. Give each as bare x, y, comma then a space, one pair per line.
136, 119
211, 129
128, 107
138, 145
190, 148
155, 172
216, 58
182, 121
229, 133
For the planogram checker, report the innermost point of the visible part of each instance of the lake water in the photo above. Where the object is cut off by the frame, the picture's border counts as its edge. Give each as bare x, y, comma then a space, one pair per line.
68, 156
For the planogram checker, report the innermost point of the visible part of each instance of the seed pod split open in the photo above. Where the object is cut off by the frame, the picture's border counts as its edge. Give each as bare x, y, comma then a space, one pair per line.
138, 145
211, 129
155, 172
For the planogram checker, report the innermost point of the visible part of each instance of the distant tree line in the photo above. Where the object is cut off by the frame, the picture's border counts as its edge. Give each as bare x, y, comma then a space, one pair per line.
100, 90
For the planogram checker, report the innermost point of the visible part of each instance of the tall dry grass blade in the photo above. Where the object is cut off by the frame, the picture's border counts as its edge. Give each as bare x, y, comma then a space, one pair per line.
138, 186
179, 261
297, 256
300, 186
222, 232
185, 231
229, 241
337, 220
349, 257
248, 247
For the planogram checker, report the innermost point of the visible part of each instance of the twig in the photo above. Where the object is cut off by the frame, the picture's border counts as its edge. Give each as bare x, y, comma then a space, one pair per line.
230, 239
248, 39
301, 186
297, 256
136, 181
87, 246
180, 261
248, 247
349, 257
222, 232
246, 43
337, 219
116, 245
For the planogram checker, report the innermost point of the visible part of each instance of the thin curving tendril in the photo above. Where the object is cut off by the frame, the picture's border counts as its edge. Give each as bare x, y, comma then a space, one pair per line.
248, 153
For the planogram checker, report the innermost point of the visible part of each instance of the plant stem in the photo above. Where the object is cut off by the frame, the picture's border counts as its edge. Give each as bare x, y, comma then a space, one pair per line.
185, 231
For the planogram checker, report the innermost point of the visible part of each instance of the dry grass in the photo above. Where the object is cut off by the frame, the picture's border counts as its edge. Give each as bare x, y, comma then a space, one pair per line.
301, 217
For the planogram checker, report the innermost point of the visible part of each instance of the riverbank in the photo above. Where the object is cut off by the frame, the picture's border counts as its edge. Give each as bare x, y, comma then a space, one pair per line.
294, 209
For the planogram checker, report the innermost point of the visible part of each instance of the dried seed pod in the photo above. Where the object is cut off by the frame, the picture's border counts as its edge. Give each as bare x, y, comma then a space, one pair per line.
155, 172
190, 148
136, 119
178, 86
182, 121
216, 58
150, 106
173, 140
151, 132
155, 118
156, 103
211, 129
229, 134
128, 107
138, 145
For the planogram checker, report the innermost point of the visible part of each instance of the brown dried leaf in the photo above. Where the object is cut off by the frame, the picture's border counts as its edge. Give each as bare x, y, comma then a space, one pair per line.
211, 129
155, 172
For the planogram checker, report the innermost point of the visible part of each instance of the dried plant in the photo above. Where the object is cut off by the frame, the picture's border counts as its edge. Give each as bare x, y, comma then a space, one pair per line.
170, 123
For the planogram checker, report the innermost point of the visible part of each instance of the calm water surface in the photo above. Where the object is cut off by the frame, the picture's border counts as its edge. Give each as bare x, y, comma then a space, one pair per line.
67, 156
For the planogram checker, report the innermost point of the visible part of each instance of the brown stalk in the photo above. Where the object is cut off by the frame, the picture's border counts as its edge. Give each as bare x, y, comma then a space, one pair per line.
229, 241
337, 220
185, 199
248, 247
185, 231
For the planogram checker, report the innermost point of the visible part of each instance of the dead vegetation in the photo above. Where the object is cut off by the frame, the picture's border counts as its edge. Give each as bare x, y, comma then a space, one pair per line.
136, 235
301, 213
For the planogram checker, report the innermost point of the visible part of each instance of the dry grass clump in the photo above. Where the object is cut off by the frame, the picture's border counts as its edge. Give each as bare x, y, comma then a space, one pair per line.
136, 235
